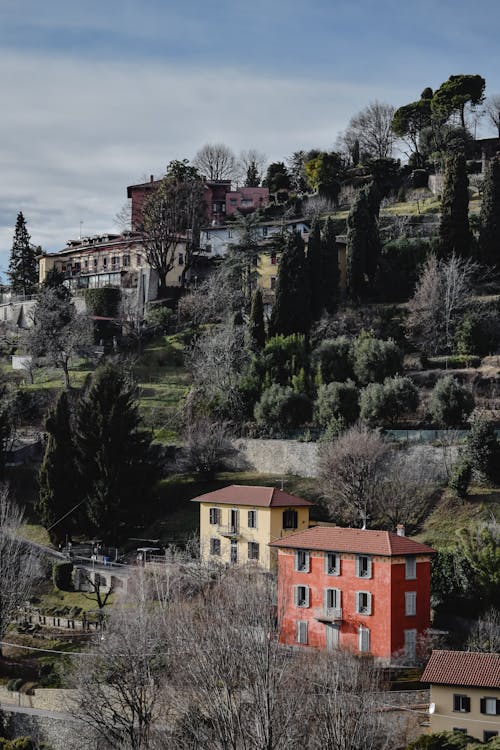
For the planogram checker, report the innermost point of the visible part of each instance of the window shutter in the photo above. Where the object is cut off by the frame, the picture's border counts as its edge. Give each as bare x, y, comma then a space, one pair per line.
307, 596
368, 604
369, 570
456, 703
308, 562
358, 602
466, 703
296, 595
339, 599
483, 705
498, 707
358, 572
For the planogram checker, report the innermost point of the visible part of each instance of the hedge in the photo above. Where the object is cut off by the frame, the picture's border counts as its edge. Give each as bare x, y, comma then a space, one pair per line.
103, 302
61, 575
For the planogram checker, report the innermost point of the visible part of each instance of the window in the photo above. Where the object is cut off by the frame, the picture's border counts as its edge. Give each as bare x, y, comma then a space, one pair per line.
252, 519
138, 259
273, 283
86, 263
114, 260
126, 260
233, 202
273, 259
95, 262
214, 546
264, 231
214, 516
302, 632
363, 603
253, 551
487, 736
411, 568
333, 599
229, 234
490, 706
301, 596
410, 646
461, 703
302, 561
411, 603
233, 552
247, 202
364, 640
180, 259
363, 566
289, 519
332, 564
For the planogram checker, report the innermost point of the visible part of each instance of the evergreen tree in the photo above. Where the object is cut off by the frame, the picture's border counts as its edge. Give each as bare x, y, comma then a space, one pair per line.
314, 262
23, 270
454, 232
113, 457
256, 326
489, 236
253, 177
291, 309
330, 267
359, 223
373, 240
57, 473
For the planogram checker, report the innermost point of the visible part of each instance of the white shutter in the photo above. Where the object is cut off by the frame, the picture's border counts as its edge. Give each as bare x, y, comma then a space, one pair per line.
302, 632
308, 562
369, 604
364, 640
307, 596
411, 603
296, 595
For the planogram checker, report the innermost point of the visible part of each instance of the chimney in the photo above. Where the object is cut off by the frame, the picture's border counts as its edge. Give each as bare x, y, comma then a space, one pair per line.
151, 178
400, 529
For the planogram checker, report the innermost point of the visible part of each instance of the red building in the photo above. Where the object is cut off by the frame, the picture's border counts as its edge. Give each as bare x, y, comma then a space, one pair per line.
365, 590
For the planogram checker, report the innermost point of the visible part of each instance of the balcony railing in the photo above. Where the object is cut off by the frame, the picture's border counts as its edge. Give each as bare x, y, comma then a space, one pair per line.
230, 531
328, 614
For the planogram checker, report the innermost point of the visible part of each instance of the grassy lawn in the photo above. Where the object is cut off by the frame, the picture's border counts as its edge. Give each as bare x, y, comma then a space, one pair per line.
451, 514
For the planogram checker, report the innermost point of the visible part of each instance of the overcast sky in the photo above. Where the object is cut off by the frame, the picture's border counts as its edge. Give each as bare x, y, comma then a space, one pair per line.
96, 95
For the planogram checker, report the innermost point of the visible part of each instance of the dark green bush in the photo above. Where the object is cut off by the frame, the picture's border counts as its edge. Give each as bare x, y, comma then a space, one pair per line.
375, 359
281, 359
332, 360
399, 266
419, 178
450, 403
460, 478
61, 575
103, 302
280, 407
483, 450
337, 401
388, 402
453, 362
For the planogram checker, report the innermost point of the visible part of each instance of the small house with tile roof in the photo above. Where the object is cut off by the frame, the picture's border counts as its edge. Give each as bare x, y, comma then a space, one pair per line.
465, 693
238, 522
365, 590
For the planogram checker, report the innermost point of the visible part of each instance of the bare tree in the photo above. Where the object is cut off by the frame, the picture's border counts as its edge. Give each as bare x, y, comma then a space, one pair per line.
347, 709
212, 301
440, 300
372, 129
485, 635
19, 563
351, 471
246, 691
119, 685
215, 161
491, 109
123, 217
207, 448
253, 160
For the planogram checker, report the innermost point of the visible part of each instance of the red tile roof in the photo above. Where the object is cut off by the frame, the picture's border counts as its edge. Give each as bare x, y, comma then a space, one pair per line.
466, 668
265, 497
366, 541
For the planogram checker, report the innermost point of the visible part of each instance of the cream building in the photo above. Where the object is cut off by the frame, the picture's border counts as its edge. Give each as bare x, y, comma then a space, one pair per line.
238, 522
465, 693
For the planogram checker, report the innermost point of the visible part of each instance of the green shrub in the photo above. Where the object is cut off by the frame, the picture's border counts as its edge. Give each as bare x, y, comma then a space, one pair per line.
103, 302
281, 359
442, 741
15, 684
332, 360
460, 478
419, 178
388, 402
337, 401
399, 267
61, 575
478, 332
451, 362
483, 449
280, 407
375, 359
450, 403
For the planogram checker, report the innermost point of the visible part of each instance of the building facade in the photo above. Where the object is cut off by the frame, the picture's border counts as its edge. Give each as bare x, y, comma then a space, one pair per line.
368, 591
465, 693
238, 522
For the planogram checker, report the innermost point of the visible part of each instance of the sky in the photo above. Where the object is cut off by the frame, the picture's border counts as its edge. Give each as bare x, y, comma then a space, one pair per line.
96, 96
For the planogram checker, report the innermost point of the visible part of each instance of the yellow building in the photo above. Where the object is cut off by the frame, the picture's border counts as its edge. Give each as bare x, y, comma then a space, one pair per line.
238, 522
465, 693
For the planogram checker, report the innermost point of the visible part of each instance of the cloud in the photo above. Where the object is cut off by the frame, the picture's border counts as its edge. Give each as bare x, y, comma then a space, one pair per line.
74, 133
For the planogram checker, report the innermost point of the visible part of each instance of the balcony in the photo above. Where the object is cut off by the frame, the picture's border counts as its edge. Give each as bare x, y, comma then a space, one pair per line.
328, 614
229, 531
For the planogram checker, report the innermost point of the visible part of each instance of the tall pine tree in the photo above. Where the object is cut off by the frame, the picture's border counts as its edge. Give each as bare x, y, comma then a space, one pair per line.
315, 262
454, 231
57, 473
489, 236
113, 455
256, 326
330, 268
359, 227
373, 241
292, 305
23, 271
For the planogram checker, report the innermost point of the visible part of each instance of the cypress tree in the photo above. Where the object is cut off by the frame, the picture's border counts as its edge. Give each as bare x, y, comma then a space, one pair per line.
454, 232
23, 270
373, 239
489, 236
256, 326
314, 262
291, 309
330, 268
113, 457
57, 472
359, 223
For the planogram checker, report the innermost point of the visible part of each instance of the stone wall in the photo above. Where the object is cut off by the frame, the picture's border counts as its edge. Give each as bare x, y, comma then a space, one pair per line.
301, 459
